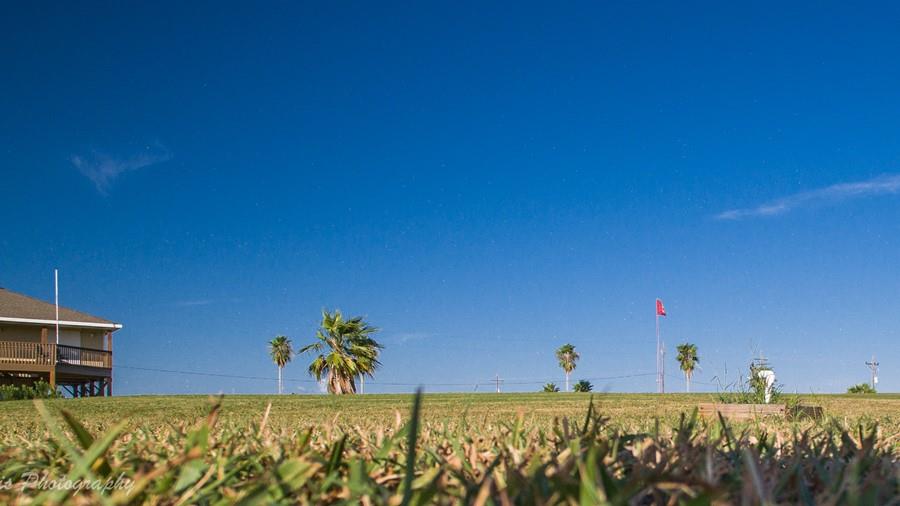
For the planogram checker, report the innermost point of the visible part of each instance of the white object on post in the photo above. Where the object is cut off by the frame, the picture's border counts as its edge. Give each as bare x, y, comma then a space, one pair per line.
768, 376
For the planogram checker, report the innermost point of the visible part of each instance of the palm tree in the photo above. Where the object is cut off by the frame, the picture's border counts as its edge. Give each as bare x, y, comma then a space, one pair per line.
281, 352
687, 357
567, 357
583, 386
550, 388
345, 350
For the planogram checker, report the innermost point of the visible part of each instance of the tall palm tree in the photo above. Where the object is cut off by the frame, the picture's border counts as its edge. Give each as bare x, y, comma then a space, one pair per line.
281, 352
567, 357
345, 350
687, 357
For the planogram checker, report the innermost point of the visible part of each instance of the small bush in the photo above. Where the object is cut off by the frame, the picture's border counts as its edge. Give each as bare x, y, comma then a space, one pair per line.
862, 388
39, 390
583, 386
550, 388
752, 391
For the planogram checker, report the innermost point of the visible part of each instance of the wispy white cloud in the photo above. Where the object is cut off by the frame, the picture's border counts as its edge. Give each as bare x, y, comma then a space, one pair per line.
881, 185
102, 169
405, 337
193, 303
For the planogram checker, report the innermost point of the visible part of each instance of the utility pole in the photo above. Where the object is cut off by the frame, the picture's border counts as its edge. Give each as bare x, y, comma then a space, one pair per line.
873, 366
498, 381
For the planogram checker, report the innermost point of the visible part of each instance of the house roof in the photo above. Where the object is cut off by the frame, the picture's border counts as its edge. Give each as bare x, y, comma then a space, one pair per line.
18, 308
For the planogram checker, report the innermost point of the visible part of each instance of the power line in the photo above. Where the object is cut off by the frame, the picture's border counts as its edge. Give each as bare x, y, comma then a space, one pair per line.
693, 381
468, 384
264, 378
493, 381
212, 374
595, 378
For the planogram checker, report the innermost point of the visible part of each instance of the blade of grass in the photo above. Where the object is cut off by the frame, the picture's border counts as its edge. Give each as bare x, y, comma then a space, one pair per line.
411, 449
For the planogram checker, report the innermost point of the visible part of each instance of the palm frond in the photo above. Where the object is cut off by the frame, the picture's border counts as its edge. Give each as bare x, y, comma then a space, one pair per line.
280, 350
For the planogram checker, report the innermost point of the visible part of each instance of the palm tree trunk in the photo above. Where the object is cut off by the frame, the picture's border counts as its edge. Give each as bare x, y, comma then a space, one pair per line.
339, 384
280, 383
687, 381
567, 381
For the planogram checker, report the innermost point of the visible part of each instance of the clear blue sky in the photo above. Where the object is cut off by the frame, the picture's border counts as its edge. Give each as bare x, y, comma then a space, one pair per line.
484, 183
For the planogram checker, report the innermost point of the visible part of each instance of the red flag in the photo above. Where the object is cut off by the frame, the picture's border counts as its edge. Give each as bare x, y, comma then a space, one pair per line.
660, 310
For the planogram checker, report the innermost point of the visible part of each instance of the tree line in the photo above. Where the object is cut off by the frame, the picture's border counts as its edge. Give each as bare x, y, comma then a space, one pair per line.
344, 351
568, 360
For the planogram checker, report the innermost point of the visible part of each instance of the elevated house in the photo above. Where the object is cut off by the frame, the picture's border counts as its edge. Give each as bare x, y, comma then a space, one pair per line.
80, 362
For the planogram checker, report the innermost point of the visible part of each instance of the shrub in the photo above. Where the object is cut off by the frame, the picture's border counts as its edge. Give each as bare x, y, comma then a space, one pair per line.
751, 391
583, 386
862, 388
550, 388
38, 390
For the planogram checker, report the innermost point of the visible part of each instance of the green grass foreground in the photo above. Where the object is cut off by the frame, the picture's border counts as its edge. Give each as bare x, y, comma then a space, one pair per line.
468, 449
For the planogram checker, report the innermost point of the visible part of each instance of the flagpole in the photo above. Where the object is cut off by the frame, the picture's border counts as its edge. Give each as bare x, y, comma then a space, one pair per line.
658, 390
662, 366
56, 300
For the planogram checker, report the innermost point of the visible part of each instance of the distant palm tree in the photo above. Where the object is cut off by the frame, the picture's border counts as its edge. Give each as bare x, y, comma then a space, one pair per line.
281, 352
688, 359
345, 350
567, 357
583, 386
550, 388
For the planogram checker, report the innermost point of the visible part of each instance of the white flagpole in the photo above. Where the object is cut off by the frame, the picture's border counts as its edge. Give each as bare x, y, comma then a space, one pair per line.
658, 384
56, 300
662, 361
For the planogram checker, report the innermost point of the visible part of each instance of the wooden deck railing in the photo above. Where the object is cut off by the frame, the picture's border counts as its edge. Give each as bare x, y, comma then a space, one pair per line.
83, 356
17, 352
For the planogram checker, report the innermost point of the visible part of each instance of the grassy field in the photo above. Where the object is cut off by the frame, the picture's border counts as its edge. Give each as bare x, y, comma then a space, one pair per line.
467, 448
627, 411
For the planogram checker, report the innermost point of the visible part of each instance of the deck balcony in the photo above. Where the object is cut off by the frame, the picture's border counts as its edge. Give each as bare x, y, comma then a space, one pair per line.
82, 371
46, 355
